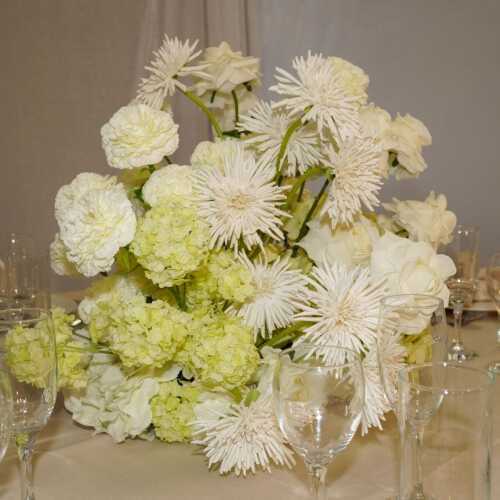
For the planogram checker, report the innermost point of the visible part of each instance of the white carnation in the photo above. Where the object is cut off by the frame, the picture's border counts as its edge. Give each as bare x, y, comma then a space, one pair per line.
347, 245
59, 260
95, 220
172, 180
138, 135
427, 220
411, 267
113, 403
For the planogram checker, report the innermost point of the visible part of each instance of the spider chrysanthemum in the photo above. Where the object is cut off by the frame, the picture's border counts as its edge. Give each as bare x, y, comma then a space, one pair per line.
240, 203
267, 129
243, 438
342, 307
278, 288
169, 64
318, 94
357, 179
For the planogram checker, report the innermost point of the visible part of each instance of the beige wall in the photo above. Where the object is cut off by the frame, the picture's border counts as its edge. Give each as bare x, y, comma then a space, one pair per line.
67, 65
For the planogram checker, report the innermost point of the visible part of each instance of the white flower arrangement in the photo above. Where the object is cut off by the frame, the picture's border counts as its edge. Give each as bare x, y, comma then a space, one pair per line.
215, 266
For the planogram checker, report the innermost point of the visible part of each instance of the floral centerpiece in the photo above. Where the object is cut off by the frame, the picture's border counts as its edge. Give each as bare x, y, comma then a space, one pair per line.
267, 238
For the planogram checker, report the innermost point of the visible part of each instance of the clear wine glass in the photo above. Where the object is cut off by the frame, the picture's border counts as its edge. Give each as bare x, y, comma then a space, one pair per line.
493, 283
421, 321
28, 356
464, 250
318, 405
6, 410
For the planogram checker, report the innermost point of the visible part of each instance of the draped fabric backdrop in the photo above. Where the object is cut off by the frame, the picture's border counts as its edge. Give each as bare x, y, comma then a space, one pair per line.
68, 65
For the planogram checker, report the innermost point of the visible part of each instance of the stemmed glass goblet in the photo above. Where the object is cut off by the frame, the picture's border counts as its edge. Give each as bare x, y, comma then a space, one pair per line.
408, 316
28, 356
318, 405
464, 251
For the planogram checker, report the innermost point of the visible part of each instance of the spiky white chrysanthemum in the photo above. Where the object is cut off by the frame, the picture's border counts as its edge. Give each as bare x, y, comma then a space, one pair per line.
240, 201
169, 65
267, 129
243, 438
278, 288
318, 94
357, 179
342, 305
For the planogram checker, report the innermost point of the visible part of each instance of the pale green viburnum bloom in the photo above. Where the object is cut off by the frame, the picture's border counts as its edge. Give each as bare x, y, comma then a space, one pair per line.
222, 278
220, 352
173, 411
171, 242
141, 334
29, 358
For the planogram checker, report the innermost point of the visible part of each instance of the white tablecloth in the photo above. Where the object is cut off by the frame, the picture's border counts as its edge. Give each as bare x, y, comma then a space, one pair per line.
73, 464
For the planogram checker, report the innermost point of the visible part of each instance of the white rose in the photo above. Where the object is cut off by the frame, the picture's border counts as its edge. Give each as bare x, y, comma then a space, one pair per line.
138, 135
350, 246
113, 403
59, 260
224, 110
411, 267
116, 287
427, 220
226, 69
406, 136
95, 220
172, 180
374, 121
212, 154
353, 78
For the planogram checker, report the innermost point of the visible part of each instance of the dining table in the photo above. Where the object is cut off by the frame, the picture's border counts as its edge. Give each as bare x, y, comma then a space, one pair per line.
72, 463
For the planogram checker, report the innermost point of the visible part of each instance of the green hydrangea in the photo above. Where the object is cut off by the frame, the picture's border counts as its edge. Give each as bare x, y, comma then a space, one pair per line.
171, 242
142, 334
28, 352
222, 278
221, 352
172, 410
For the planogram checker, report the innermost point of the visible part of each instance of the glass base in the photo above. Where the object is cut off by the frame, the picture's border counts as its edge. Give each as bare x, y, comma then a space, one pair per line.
458, 353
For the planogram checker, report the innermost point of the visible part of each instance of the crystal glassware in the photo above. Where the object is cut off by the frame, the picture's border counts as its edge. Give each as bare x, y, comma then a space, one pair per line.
493, 283
464, 252
318, 405
28, 356
6, 410
20, 274
453, 459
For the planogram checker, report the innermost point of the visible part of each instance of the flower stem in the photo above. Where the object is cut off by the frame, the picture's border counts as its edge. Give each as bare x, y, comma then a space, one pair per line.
236, 108
211, 118
299, 183
303, 228
284, 143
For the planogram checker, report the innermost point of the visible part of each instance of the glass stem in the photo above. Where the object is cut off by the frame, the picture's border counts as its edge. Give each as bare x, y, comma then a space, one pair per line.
418, 492
317, 473
458, 312
25, 445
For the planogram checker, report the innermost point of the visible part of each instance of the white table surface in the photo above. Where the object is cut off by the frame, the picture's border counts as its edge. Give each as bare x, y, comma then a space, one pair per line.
73, 464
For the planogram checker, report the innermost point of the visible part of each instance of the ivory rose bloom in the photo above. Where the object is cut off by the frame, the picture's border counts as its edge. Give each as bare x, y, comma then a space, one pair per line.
351, 246
95, 220
406, 136
137, 136
411, 267
354, 79
427, 220
172, 180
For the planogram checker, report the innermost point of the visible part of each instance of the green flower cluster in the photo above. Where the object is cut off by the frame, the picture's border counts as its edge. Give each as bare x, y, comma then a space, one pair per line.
171, 242
222, 278
221, 353
173, 412
142, 334
28, 352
